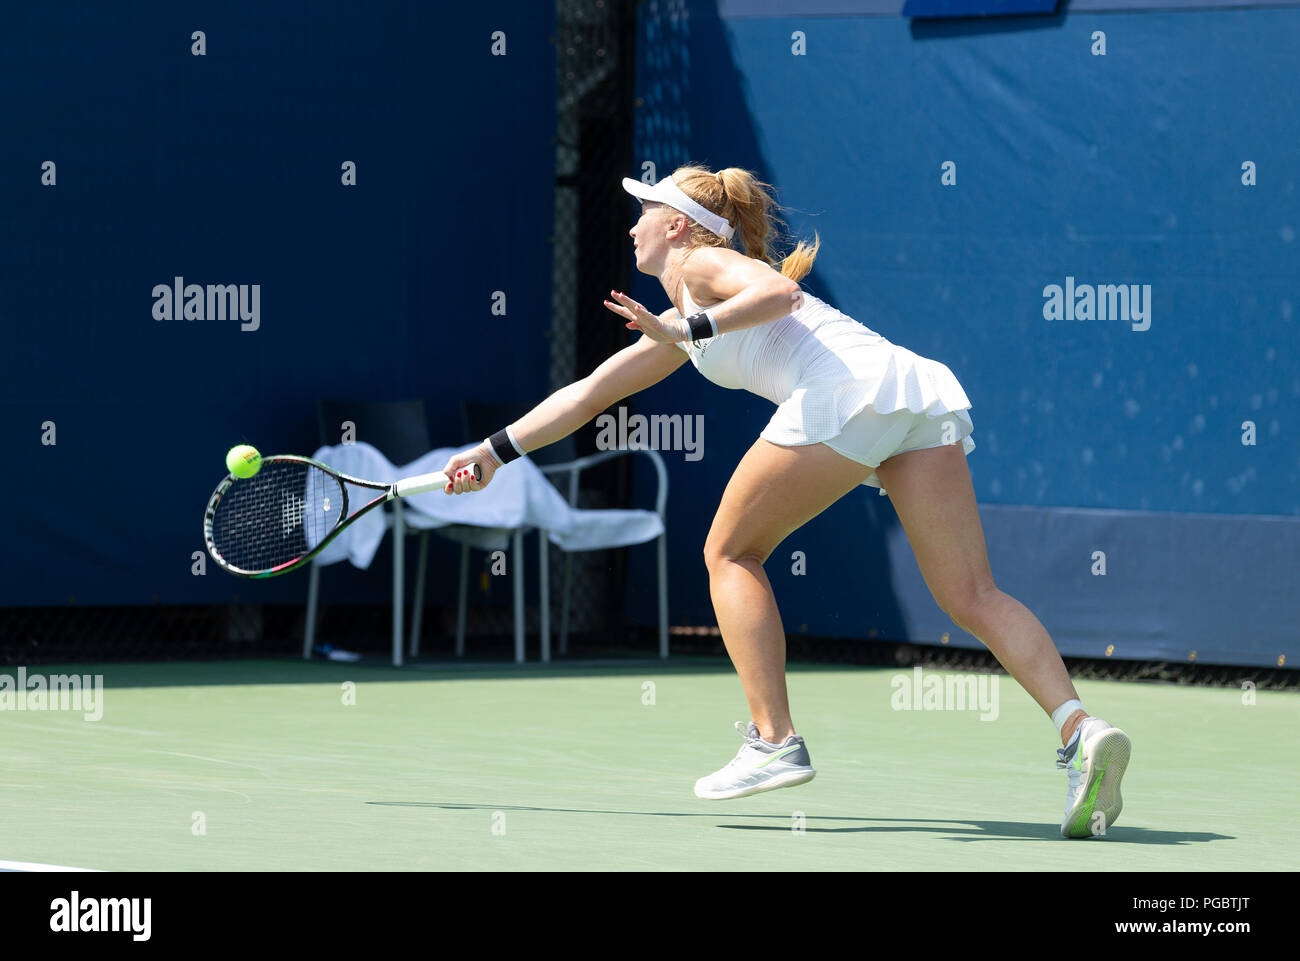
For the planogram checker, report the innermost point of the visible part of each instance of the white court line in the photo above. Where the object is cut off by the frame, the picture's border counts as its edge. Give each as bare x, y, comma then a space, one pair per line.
30, 866
214, 760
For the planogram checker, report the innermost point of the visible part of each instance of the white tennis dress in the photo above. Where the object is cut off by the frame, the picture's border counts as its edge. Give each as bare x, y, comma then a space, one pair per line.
821, 368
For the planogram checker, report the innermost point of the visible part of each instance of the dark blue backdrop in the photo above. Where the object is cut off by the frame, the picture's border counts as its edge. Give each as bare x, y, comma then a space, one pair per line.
226, 169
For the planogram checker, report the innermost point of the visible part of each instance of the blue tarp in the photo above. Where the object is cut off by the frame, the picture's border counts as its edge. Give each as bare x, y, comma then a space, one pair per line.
1074, 171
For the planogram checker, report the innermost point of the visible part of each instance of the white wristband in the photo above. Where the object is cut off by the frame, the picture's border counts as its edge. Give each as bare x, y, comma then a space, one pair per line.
681, 329
514, 443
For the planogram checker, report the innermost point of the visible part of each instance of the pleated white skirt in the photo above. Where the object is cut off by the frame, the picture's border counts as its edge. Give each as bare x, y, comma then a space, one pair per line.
871, 402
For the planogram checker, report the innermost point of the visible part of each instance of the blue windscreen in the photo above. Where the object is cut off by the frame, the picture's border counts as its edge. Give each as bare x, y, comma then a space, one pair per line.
981, 189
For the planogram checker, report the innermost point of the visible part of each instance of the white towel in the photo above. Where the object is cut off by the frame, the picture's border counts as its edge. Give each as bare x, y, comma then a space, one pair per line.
519, 496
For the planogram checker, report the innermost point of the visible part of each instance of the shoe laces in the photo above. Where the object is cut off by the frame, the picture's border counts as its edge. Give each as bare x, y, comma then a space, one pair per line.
743, 728
1062, 760
1074, 776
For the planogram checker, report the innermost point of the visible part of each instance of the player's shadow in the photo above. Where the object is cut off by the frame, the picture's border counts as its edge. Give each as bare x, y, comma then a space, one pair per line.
948, 830
989, 830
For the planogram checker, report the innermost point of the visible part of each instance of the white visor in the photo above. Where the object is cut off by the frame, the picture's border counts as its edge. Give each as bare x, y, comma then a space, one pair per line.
667, 192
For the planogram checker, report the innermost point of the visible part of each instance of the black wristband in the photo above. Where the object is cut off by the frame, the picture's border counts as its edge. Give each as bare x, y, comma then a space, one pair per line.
502, 447
701, 326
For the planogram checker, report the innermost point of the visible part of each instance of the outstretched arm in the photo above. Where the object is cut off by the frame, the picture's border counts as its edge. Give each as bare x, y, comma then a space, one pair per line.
632, 369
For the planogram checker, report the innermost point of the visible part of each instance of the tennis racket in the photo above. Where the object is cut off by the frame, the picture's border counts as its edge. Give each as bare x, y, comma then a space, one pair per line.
288, 512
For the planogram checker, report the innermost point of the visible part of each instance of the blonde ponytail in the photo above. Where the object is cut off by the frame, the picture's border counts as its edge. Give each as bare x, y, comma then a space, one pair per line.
743, 199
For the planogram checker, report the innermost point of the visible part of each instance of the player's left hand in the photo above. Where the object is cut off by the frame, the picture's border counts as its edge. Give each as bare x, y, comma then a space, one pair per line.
665, 328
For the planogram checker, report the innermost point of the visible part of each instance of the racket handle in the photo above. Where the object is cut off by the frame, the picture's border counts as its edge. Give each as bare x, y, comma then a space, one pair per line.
427, 482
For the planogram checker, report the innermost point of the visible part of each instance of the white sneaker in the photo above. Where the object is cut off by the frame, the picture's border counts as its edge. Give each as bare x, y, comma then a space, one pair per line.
758, 766
1094, 761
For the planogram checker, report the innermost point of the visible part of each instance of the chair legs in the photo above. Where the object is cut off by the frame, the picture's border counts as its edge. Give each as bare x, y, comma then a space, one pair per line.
517, 549
564, 602
517, 572
663, 595
544, 591
313, 598
399, 579
461, 600
566, 590
516, 566
417, 602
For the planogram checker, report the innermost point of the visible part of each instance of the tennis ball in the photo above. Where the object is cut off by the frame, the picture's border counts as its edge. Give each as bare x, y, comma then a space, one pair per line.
243, 461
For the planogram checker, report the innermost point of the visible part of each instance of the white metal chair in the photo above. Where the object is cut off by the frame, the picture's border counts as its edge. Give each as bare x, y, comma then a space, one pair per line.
402, 426
599, 530
399, 429
617, 536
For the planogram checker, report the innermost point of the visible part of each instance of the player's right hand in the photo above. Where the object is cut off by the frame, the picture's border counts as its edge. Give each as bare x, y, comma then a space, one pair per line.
460, 470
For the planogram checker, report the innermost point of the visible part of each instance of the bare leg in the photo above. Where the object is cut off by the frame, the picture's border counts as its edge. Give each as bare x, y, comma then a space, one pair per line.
931, 491
774, 491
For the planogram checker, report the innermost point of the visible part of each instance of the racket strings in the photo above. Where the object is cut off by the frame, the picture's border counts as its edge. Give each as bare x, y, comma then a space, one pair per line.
276, 516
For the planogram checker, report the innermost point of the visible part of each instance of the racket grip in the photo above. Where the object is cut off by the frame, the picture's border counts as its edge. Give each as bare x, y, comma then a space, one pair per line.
428, 482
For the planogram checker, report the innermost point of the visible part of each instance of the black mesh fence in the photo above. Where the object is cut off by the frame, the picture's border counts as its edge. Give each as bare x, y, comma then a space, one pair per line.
61, 635
595, 74
889, 653
46, 635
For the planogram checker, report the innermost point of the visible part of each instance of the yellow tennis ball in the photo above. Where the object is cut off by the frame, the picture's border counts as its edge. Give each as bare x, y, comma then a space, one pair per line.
243, 461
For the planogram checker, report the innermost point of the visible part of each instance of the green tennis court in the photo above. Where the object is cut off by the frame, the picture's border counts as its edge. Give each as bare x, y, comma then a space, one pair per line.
262, 765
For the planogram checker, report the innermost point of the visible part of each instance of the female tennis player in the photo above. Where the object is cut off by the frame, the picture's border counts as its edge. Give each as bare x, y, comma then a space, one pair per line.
851, 409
